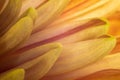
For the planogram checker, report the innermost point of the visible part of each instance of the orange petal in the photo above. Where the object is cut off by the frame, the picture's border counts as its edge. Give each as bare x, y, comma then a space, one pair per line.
114, 21
115, 28
77, 5
99, 9
110, 74
78, 13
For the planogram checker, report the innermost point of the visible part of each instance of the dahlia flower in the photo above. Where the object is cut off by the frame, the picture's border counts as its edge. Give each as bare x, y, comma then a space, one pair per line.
59, 40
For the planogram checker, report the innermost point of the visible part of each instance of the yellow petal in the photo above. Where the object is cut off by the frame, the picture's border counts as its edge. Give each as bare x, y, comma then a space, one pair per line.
49, 11
80, 54
68, 29
9, 15
16, 35
108, 62
31, 12
117, 47
92, 32
14, 74
25, 54
38, 67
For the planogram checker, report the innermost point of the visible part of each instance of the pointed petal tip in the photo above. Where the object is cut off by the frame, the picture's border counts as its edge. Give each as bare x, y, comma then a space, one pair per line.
58, 44
59, 47
109, 37
107, 23
32, 13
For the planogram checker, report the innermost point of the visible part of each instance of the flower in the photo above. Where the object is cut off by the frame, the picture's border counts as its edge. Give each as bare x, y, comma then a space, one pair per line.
59, 40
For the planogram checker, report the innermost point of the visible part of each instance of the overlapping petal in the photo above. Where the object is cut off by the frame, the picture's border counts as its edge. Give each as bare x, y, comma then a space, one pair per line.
38, 67
31, 3
21, 56
14, 74
73, 29
14, 37
76, 24
53, 8
98, 9
9, 15
108, 62
79, 54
